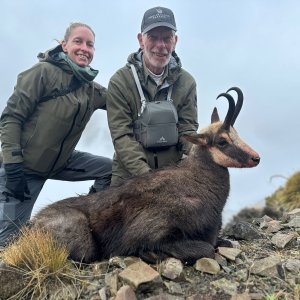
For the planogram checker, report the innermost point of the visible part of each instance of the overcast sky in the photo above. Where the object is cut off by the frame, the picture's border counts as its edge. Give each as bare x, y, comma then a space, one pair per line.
252, 44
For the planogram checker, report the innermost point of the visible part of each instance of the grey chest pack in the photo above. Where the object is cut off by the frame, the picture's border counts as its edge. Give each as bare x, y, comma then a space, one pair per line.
156, 126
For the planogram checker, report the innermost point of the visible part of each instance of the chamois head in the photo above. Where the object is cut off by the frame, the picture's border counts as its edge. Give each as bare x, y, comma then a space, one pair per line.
221, 140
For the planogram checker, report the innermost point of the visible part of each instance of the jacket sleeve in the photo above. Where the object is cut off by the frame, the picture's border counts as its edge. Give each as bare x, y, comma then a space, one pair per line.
120, 120
21, 104
188, 117
100, 96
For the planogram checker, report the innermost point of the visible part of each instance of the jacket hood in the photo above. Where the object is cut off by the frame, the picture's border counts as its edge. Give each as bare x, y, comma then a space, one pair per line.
52, 57
57, 57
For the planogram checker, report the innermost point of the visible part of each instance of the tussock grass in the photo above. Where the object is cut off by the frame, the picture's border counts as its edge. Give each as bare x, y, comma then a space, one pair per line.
43, 263
36, 250
287, 197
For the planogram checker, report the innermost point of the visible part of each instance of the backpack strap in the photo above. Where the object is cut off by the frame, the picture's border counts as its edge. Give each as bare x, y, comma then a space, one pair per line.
139, 87
75, 85
170, 93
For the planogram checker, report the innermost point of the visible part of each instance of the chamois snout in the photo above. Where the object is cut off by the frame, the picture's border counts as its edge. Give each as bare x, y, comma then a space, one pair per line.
254, 161
248, 157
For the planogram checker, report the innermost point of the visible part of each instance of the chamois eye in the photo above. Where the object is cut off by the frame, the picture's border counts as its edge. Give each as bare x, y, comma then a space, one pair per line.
222, 143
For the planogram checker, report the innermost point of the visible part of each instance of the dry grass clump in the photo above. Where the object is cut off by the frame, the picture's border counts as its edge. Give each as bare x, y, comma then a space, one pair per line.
36, 255
287, 197
36, 250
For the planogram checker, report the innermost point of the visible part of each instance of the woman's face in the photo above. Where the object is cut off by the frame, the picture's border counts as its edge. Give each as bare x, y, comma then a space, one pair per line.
80, 46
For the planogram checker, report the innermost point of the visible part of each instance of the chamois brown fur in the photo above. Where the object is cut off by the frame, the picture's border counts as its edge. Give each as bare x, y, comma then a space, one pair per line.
176, 211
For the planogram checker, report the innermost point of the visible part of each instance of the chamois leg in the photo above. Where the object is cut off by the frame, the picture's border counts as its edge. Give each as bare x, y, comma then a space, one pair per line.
70, 228
223, 243
187, 251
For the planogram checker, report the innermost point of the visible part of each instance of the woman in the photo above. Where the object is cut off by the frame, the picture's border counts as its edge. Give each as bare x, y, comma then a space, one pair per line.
42, 123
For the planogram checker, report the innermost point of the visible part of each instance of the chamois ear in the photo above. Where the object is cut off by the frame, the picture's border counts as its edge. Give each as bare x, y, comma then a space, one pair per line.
215, 116
197, 139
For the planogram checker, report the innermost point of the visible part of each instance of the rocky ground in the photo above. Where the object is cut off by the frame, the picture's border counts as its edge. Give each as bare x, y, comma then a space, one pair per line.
264, 264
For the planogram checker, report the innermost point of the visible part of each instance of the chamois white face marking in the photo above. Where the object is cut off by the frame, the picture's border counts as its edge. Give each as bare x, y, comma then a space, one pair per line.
223, 160
230, 151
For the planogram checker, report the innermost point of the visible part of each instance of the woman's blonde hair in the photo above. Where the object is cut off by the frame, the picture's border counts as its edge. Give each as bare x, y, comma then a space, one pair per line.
75, 25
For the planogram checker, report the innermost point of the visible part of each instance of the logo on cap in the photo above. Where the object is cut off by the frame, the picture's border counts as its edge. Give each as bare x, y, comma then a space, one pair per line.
156, 17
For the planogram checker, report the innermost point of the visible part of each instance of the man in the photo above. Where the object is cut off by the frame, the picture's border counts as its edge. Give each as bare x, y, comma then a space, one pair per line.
158, 68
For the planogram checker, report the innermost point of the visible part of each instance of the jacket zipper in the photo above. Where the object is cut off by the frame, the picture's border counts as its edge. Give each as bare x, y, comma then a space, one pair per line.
86, 110
66, 136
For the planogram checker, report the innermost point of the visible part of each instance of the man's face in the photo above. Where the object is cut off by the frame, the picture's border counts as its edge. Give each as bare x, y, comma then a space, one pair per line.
157, 45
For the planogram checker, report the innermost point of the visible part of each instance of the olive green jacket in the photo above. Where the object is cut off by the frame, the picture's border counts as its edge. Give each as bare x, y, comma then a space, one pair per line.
123, 105
43, 135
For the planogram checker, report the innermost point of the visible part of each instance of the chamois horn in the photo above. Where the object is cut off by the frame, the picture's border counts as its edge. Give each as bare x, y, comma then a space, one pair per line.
239, 103
230, 112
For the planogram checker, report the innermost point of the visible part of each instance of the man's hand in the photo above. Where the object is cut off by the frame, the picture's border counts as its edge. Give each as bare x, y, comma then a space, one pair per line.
16, 181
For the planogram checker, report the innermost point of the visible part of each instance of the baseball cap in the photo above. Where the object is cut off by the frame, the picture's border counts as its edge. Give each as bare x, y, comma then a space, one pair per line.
158, 16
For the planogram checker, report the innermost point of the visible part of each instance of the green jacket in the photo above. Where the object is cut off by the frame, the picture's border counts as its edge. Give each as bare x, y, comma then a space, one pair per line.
43, 135
123, 104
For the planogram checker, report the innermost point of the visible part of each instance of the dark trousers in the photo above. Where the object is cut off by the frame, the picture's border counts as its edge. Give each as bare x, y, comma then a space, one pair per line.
81, 166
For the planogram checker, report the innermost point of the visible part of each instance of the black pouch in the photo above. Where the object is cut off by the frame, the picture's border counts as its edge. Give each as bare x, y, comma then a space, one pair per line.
157, 127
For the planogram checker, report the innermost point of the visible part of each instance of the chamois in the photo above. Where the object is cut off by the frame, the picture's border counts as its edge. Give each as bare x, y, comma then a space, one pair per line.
175, 211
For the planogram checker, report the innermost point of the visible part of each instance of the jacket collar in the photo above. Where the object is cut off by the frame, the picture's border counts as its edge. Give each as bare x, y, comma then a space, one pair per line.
57, 57
171, 73
52, 56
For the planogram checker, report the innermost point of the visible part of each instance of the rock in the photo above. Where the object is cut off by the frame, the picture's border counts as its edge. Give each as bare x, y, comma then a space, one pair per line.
273, 226
280, 240
122, 262
264, 221
174, 288
221, 260
201, 297
102, 293
244, 231
100, 267
244, 296
111, 281
294, 222
266, 267
117, 261
236, 244
165, 297
125, 293
171, 268
257, 296
292, 265
230, 253
292, 214
241, 275
227, 286
138, 273
207, 265
11, 282
67, 292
